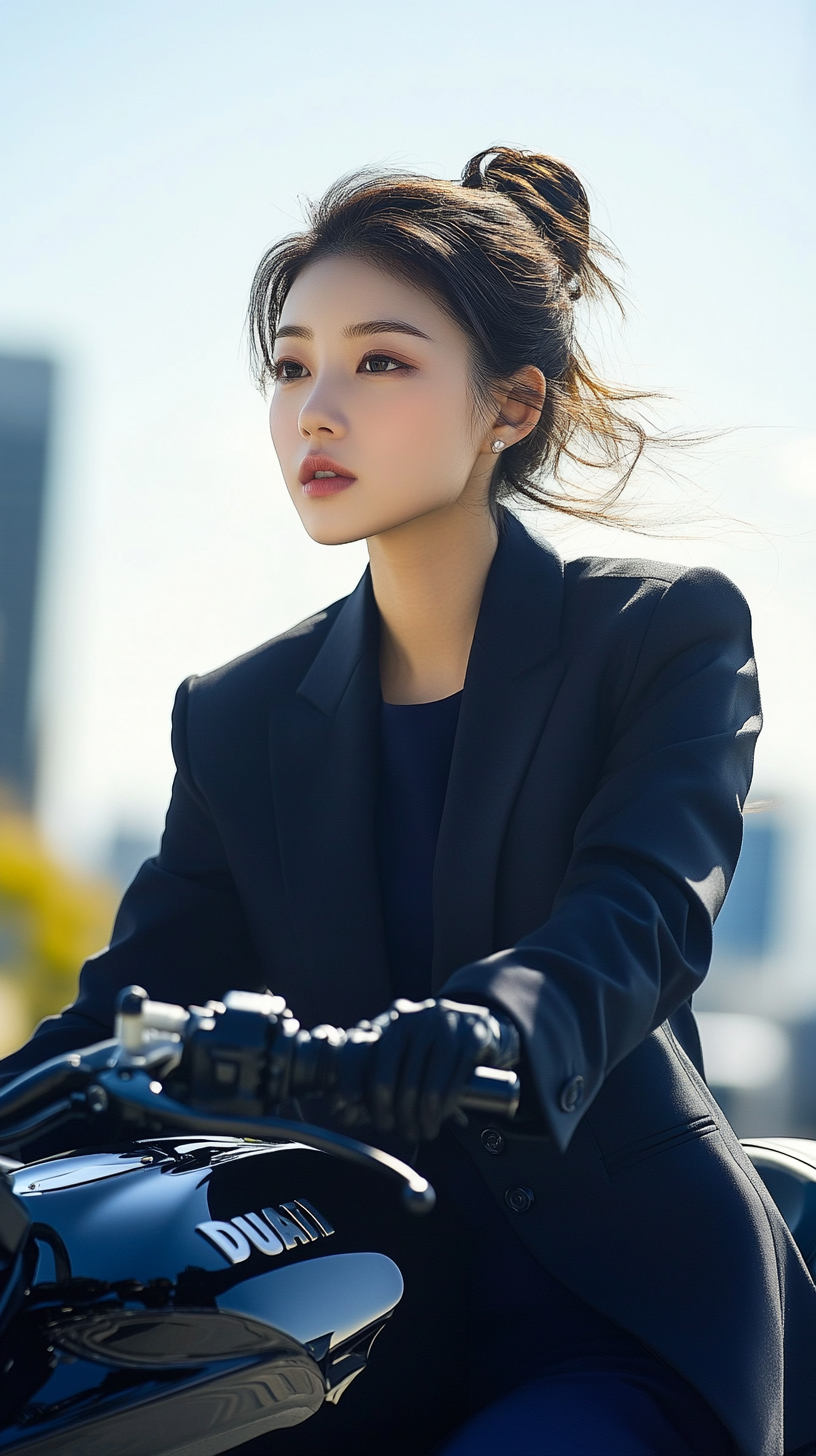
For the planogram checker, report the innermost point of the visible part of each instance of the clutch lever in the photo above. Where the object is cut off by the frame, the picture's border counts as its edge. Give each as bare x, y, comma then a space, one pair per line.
137, 1090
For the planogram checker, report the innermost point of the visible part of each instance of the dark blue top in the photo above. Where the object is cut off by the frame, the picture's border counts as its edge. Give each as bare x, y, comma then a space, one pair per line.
416, 746
520, 1319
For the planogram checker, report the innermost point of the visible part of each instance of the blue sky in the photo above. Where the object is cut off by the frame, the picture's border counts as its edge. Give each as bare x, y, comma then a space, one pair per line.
148, 153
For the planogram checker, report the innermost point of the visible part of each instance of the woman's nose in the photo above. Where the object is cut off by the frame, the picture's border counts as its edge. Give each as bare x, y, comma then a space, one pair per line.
322, 414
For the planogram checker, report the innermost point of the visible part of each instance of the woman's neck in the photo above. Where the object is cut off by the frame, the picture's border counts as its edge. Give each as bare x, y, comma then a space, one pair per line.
428, 577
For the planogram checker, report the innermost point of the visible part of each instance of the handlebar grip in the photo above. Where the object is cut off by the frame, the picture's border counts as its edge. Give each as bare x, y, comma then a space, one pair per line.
492, 1091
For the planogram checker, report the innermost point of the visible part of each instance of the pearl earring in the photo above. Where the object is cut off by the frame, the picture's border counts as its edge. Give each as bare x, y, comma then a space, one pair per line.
497, 447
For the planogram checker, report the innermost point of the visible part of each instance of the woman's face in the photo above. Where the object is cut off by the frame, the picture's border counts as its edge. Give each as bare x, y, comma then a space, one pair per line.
373, 384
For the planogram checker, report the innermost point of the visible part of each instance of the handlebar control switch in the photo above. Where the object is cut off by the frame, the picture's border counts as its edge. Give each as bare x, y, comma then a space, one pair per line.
226, 1052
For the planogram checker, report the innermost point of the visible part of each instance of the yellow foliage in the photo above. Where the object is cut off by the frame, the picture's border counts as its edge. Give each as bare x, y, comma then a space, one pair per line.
50, 920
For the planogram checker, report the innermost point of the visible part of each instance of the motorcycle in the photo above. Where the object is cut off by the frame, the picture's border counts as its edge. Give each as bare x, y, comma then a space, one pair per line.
206, 1269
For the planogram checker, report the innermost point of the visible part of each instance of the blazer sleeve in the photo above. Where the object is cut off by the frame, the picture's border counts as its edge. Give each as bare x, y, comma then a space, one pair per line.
629, 937
180, 930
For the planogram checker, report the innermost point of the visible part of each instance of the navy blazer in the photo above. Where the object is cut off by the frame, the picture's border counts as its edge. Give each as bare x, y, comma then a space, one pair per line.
591, 827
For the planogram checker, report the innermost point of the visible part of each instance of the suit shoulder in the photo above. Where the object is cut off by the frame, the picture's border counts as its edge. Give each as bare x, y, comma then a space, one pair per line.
638, 575
273, 668
636, 569
630, 598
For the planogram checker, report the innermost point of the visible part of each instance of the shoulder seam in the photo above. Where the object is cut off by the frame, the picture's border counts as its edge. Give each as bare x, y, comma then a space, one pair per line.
633, 574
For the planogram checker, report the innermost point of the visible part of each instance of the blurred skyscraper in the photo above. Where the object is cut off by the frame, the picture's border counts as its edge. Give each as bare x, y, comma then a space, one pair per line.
748, 924
756, 1009
26, 391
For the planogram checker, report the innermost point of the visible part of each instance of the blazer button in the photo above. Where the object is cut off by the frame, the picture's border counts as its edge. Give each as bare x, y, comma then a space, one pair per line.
492, 1141
519, 1199
572, 1094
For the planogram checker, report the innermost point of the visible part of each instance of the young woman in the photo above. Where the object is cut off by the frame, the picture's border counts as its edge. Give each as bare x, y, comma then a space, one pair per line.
491, 784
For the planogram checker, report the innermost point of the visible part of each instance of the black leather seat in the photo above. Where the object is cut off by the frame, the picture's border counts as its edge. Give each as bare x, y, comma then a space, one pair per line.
787, 1167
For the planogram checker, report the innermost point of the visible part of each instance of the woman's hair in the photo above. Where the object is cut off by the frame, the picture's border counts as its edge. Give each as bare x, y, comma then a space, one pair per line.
508, 251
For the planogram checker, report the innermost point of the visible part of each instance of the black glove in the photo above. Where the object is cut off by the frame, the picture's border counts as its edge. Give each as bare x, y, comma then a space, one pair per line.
425, 1054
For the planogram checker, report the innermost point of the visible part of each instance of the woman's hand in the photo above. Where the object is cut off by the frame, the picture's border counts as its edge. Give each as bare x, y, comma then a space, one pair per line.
426, 1052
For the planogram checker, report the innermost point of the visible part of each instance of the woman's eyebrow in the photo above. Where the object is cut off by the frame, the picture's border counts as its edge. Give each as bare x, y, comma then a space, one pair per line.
293, 331
356, 331
384, 326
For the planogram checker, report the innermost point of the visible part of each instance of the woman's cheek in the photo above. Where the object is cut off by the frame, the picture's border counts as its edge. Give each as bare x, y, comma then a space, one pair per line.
283, 423
425, 410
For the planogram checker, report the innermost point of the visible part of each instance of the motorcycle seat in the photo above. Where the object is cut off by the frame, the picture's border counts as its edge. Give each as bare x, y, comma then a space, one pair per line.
787, 1167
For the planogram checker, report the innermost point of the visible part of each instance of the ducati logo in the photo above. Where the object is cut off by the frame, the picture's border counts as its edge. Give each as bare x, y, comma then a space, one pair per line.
270, 1231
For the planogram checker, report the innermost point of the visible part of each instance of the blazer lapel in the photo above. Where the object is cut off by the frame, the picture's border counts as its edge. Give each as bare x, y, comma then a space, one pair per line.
324, 746
512, 679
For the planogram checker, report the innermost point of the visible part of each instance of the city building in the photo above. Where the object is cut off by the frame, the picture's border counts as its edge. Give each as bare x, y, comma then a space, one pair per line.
26, 395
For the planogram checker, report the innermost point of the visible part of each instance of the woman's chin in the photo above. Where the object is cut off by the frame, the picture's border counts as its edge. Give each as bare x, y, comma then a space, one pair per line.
334, 538
331, 528
330, 525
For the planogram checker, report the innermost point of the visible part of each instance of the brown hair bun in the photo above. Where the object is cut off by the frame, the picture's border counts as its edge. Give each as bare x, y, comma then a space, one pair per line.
554, 199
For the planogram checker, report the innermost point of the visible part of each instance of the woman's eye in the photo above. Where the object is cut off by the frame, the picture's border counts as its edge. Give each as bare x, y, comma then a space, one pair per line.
381, 364
289, 369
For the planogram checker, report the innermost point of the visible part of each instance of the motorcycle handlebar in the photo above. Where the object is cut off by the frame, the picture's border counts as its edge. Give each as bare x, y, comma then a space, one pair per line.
249, 1053
245, 1056
331, 1062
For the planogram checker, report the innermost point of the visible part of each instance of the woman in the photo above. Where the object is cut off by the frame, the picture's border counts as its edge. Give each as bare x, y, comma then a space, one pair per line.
488, 784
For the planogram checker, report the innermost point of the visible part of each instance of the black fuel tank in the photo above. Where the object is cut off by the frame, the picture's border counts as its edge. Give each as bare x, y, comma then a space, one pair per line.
189, 1293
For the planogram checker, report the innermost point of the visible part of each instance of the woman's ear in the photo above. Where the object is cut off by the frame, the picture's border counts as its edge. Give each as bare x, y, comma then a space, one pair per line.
518, 408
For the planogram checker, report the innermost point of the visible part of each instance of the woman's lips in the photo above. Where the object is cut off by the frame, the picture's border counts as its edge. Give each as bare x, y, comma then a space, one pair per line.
328, 485
320, 475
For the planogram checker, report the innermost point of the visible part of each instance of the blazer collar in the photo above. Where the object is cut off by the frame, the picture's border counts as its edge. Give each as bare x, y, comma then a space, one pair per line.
353, 637
325, 750
519, 622
518, 625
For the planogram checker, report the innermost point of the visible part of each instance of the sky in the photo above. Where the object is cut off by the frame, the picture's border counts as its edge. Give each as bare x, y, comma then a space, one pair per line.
149, 152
